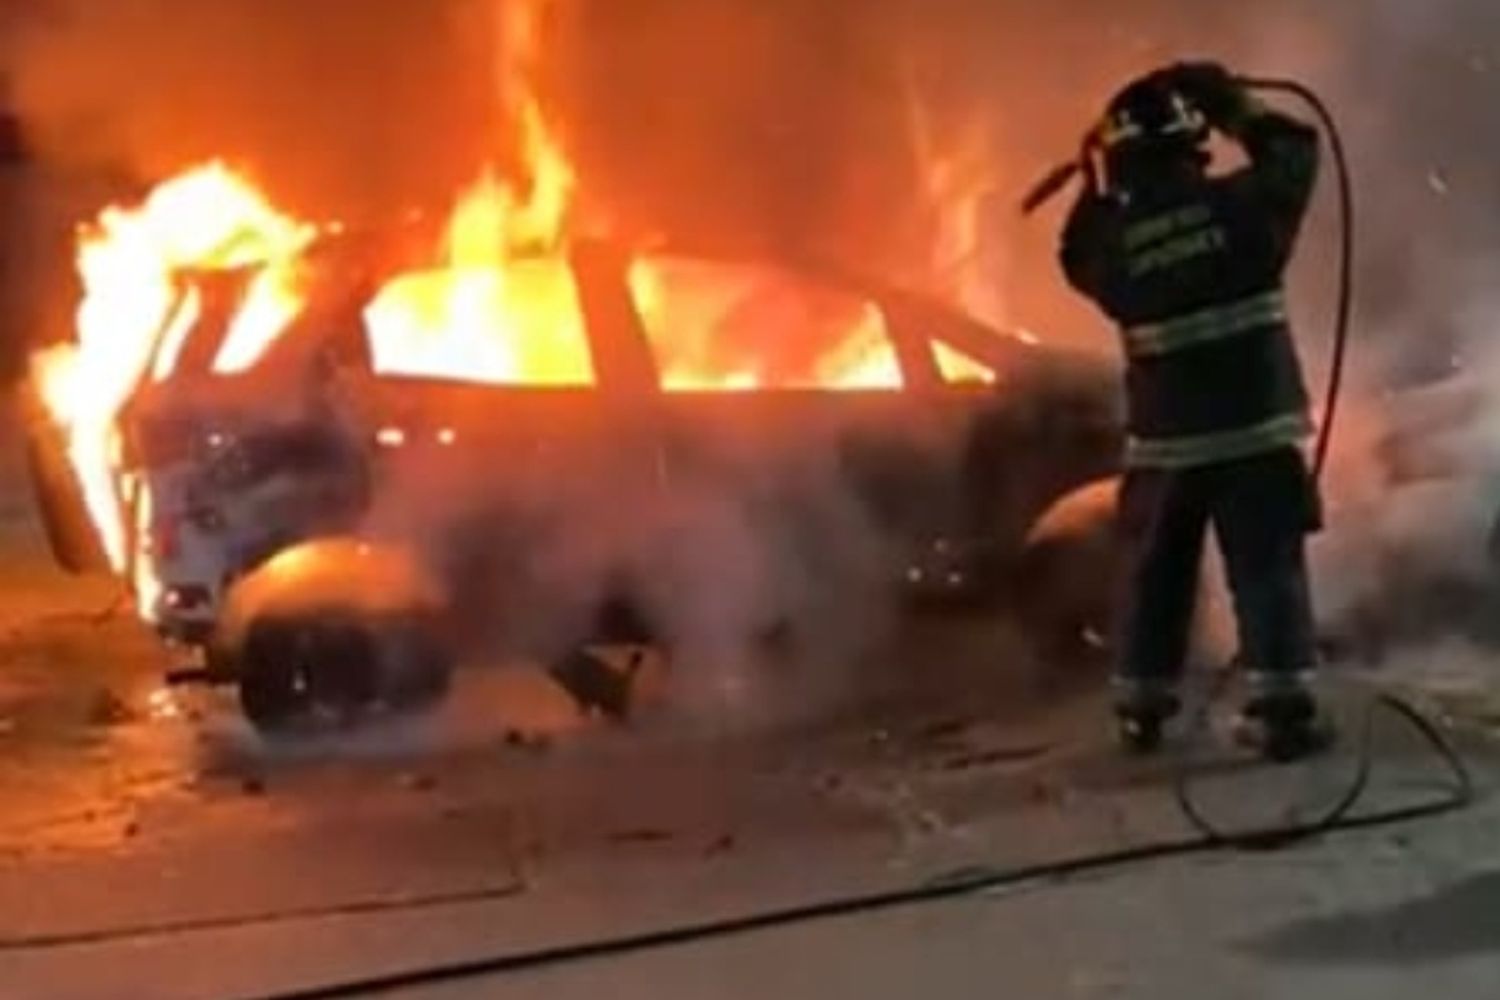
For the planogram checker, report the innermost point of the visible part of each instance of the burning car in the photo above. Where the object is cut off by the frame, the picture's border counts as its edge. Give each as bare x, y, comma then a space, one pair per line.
324, 459
233, 486
246, 387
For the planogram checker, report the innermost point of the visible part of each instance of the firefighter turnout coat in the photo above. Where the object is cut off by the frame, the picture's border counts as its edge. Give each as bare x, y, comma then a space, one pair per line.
1191, 272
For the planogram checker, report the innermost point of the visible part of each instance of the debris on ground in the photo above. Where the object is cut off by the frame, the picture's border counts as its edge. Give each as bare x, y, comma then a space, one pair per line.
993, 757
643, 835
106, 709
417, 782
944, 729
520, 739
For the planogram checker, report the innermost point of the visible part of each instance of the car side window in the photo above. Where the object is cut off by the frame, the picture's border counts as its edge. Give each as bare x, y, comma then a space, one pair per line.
721, 327
523, 326
957, 367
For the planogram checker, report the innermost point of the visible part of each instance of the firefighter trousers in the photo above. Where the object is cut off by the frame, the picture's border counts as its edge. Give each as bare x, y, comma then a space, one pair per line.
1261, 509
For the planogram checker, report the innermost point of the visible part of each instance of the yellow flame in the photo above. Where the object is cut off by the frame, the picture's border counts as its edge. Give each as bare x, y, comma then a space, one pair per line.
129, 261
273, 300
485, 316
723, 328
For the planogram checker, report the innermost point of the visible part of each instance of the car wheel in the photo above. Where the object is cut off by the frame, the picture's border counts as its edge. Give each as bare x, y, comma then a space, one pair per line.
275, 694
299, 675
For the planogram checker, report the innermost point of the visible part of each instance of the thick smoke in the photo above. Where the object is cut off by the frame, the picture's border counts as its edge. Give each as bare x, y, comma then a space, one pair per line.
746, 554
1412, 490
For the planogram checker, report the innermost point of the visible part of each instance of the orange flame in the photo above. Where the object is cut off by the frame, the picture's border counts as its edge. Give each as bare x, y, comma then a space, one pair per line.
504, 306
485, 316
714, 327
956, 165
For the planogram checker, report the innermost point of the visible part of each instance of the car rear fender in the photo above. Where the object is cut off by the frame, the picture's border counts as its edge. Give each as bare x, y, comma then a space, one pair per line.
331, 578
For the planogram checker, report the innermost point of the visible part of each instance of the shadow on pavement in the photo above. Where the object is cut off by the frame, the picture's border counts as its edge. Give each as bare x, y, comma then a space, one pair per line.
1456, 921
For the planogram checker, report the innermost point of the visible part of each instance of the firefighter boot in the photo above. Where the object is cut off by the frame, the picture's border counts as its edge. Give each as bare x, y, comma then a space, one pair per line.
1140, 719
1285, 726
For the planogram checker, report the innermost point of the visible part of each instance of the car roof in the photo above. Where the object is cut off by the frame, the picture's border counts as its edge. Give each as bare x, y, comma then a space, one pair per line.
354, 265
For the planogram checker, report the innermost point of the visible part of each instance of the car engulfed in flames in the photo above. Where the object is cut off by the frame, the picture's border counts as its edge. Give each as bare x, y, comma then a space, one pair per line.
236, 457
246, 390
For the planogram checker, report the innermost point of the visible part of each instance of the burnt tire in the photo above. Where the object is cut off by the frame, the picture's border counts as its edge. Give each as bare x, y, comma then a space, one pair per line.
300, 675
333, 672
273, 689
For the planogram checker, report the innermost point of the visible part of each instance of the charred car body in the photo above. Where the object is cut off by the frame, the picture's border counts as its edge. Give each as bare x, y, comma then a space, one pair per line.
259, 536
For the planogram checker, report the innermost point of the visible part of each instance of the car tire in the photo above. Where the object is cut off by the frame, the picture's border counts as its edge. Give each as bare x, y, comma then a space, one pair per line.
274, 691
299, 675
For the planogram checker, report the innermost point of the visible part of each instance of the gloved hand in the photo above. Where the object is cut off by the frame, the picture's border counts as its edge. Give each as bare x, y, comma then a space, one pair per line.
1209, 87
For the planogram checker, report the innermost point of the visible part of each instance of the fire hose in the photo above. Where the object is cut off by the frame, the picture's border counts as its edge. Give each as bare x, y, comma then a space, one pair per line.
1206, 836
968, 882
1288, 833
1344, 311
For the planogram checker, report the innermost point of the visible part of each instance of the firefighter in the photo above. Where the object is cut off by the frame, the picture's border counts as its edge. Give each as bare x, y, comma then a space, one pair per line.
1189, 266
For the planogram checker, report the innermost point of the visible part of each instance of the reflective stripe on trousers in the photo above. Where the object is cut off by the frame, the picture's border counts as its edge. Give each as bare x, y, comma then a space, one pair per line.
1259, 510
1206, 326
1184, 451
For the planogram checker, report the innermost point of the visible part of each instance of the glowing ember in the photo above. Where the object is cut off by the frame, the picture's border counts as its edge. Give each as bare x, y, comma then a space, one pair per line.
162, 703
960, 368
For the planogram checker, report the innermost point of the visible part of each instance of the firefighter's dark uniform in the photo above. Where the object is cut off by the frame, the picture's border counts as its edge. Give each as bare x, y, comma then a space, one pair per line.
1191, 271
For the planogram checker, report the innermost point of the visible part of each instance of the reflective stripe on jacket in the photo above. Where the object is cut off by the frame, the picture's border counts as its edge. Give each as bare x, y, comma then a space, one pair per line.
1205, 326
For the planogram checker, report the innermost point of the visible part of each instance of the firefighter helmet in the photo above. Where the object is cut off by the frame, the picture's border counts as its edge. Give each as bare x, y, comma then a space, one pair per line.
1152, 112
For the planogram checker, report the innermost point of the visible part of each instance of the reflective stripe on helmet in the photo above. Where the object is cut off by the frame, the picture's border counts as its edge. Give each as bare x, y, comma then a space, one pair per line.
1206, 326
1182, 451
1123, 125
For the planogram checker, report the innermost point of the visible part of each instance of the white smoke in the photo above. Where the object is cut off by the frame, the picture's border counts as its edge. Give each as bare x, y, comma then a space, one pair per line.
752, 559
